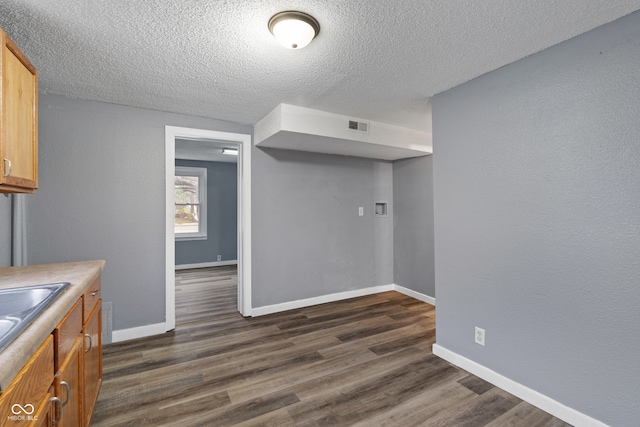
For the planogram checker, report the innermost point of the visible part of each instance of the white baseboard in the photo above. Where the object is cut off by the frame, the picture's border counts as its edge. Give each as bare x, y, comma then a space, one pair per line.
290, 305
535, 398
138, 332
206, 264
307, 302
413, 294
160, 328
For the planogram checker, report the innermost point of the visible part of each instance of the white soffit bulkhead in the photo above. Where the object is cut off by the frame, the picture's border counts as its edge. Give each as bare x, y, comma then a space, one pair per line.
304, 129
204, 150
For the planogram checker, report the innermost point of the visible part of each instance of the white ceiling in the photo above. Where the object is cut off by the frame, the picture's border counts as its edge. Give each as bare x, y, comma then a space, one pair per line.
379, 60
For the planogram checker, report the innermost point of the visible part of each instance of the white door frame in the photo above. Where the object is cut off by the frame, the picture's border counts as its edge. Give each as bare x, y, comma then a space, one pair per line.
243, 141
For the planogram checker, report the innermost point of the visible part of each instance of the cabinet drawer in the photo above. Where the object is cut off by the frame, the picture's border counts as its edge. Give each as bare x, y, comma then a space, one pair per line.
91, 297
65, 335
32, 383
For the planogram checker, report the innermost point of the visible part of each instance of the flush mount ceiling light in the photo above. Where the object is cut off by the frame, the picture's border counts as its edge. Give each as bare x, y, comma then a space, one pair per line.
293, 30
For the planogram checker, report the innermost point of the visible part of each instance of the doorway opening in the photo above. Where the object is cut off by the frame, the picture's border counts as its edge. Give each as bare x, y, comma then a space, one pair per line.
202, 137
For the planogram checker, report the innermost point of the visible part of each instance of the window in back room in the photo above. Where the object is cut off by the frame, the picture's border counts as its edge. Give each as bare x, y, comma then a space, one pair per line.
190, 221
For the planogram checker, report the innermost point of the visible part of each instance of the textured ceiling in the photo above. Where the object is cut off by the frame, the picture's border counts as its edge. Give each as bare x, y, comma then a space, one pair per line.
377, 59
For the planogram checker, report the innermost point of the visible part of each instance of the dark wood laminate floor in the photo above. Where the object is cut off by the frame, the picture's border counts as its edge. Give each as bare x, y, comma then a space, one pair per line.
365, 361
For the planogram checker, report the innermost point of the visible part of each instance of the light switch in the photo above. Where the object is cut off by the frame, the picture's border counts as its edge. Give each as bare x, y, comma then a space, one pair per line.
360, 211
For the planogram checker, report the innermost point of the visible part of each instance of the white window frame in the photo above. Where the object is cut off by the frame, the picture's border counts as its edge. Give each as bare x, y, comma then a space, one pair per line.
201, 173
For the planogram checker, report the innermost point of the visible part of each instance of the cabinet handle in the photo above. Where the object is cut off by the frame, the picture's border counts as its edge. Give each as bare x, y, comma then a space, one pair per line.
94, 293
66, 386
8, 170
58, 402
90, 343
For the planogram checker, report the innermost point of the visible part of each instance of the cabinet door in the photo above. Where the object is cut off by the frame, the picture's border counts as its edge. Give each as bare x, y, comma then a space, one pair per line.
43, 417
68, 382
19, 127
92, 360
30, 387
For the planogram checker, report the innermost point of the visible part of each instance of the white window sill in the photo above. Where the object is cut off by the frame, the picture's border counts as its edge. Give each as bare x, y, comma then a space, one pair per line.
182, 238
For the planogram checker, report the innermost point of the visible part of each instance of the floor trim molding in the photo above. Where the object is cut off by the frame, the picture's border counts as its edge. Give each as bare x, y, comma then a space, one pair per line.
535, 398
138, 332
414, 294
161, 328
339, 296
322, 299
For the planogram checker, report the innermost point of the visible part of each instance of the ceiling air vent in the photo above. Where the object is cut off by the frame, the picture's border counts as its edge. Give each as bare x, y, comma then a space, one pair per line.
359, 126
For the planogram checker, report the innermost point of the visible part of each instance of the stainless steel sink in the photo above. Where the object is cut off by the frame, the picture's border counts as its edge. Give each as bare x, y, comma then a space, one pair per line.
7, 324
19, 306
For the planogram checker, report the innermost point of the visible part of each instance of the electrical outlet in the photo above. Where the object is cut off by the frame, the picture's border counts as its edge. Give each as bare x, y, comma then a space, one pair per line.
479, 336
219, 257
360, 211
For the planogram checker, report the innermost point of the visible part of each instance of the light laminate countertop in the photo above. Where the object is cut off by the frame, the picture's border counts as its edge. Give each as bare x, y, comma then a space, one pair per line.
79, 274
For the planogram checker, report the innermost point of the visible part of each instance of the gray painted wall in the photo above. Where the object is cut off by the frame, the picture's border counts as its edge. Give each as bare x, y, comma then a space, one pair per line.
413, 224
102, 196
307, 237
537, 221
5, 230
222, 216
383, 225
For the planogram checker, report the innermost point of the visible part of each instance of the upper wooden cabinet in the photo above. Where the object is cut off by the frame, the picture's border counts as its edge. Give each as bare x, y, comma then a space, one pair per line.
18, 120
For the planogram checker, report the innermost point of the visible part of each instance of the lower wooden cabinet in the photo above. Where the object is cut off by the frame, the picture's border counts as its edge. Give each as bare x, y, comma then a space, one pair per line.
68, 367
68, 387
92, 359
59, 384
27, 399
44, 414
